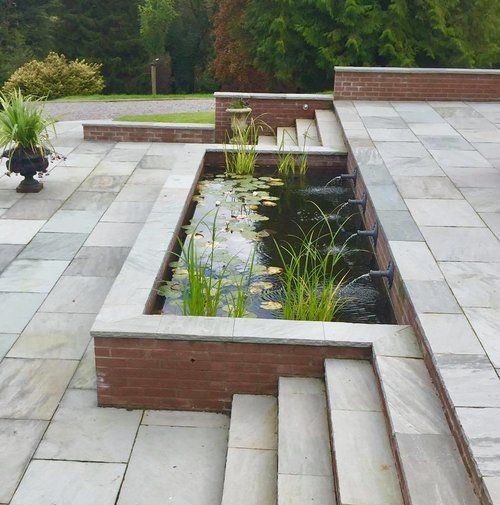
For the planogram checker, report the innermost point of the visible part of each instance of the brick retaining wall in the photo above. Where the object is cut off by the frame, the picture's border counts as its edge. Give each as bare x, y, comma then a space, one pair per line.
358, 83
201, 375
273, 109
133, 132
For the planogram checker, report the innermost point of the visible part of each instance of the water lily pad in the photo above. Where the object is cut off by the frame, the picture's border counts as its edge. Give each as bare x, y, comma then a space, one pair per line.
271, 305
267, 203
258, 287
274, 270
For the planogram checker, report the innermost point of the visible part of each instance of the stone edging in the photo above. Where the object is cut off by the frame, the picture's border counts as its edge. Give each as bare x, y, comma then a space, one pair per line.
415, 70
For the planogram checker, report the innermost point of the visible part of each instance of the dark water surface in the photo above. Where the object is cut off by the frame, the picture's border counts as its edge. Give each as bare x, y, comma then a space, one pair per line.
250, 214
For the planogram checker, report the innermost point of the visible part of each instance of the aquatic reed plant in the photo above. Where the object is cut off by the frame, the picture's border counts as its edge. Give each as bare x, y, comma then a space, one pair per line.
311, 279
290, 164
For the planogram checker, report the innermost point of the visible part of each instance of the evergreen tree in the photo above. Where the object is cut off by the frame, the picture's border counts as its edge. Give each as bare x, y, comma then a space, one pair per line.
108, 33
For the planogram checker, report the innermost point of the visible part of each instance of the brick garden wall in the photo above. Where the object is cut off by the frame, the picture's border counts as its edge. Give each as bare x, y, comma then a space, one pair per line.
278, 111
416, 85
201, 375
133, 133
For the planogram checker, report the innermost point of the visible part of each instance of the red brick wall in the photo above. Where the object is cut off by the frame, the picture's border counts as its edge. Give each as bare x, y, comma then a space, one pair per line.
416, 86
120, 133
200, 375
274, 112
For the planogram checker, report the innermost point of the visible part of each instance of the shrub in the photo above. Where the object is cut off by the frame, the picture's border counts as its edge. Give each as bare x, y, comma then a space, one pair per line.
56, 77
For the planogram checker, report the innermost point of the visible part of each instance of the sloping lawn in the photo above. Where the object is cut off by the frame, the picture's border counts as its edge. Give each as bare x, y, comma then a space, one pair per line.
178, 117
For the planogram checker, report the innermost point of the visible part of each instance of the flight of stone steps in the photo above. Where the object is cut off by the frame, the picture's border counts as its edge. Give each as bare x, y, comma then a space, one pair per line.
324, 131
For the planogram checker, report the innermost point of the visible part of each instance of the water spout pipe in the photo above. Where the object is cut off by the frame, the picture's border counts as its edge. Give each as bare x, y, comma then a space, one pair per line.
350, 177
373, 233
388, 274
360, 201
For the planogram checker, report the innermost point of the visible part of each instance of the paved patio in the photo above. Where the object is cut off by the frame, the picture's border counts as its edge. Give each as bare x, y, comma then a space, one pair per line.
433, 172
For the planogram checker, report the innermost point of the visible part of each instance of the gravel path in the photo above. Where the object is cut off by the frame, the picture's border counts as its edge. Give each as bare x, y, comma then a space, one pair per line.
73, 111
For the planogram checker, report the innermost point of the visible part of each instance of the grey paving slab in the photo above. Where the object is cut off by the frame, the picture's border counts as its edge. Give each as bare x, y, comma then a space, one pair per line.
104, 183
366, 472
184, 464
32, 209
31, 389
423, 166
114, 235
53, 246
462, 244
450, 334
185, 419
85, 375
474, 177
98, 261
482, 430
22, 307
7, 254
491, 220
250, 477
73, 221
89, 200
253, 422
392, 135
94, 147
32, 276
446, 142
138, 193
427, 187
303, 441
491, 136
412, 401
399, 225
351, 385
128, 212
384, 122
115, 168
18, 439
6, 342
305, 489
8, 198
77, 294
425, 457
129, 154
474, 284
153, 162
486, 323
483, 199
493, 486
415, 261
82, 431
436, 212
69, 482
391, 150
470, 380
55, 190
150, 176
56, 336
432, 297
455, 158
490, 150
387, 197
464, 124
18, 231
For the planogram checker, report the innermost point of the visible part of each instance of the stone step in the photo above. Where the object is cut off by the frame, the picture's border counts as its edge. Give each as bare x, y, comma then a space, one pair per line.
266, 140
305, 473
329, 130
251, 465
431, 466
307, 133
365, 467
286, 136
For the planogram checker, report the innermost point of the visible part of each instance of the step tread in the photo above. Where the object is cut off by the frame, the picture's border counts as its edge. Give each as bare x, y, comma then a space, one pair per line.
251, 465
267, 140
329, 130
366, 470
304, 445
286, 136
431, 464
307, 133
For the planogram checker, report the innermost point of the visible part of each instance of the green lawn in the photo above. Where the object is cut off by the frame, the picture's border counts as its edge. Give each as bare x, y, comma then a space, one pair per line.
179, 117
109, 98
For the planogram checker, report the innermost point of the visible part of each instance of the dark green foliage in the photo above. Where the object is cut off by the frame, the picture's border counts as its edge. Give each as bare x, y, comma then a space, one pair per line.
108, 33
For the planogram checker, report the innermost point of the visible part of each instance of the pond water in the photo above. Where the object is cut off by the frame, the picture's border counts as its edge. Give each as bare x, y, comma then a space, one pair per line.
237, 227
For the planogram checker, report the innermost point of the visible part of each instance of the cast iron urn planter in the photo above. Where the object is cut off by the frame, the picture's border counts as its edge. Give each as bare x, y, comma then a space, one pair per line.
28, 163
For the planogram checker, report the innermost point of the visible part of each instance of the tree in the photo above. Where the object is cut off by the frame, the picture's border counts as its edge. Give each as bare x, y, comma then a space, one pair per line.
108, 33
156, 18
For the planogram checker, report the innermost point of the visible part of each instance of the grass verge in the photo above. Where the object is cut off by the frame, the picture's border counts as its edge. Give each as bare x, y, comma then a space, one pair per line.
177, 117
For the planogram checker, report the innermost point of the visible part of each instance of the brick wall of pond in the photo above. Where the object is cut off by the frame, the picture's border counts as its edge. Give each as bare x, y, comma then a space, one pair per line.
133, 133
275, 112
201, 375
441, 86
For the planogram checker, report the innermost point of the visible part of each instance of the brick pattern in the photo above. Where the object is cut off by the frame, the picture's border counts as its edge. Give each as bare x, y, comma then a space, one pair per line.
120, 133
201, 375
273, 112
417, 86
